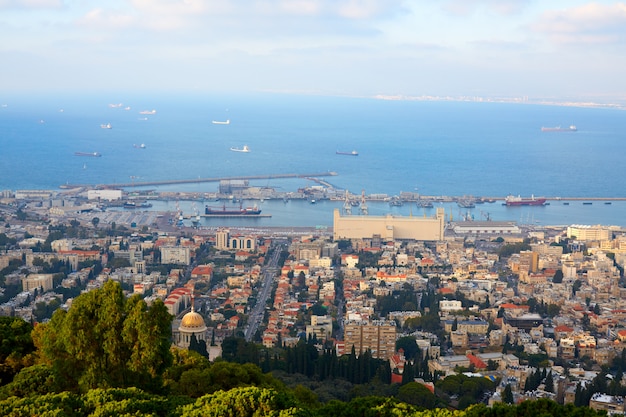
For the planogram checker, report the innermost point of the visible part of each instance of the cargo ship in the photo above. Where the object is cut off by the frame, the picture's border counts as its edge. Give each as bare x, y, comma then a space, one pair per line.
351, 153
570, 128
134, 205
511, 200
224, 211
87, 154
244, 149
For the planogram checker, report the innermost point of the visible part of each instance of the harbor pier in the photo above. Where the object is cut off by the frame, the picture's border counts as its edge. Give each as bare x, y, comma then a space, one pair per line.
134, 184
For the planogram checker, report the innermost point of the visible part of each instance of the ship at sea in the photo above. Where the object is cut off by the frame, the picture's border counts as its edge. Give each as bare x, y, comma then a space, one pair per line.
351, 153
87, 154
244, 149
570, 128
219, 122
147, 112
234, 211
511, 200
106, 126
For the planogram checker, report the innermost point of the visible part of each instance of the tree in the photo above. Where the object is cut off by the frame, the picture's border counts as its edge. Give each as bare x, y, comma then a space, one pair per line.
248, 401
558, 277
95, 221
409, 345
16, 347
507, 395
549, 384
416, 394
198, 346
105, 340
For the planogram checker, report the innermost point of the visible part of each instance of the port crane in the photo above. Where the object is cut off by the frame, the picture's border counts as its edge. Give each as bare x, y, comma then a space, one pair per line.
363, 206
347, 206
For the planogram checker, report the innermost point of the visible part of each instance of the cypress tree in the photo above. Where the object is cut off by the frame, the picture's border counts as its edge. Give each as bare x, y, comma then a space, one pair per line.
507, 395
549, 382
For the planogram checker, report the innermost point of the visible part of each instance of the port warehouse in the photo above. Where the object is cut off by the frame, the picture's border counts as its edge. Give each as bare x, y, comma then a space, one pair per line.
389, 227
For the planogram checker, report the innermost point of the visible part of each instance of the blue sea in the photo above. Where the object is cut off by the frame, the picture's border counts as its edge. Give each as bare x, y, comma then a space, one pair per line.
436, 148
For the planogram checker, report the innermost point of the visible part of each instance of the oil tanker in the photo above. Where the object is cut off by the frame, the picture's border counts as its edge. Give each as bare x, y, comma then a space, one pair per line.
520, 201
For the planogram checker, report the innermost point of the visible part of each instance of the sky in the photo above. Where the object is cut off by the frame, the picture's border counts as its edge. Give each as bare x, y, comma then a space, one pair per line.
561, 49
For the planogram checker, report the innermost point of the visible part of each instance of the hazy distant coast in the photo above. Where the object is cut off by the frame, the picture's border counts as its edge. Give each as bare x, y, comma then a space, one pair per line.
619, 105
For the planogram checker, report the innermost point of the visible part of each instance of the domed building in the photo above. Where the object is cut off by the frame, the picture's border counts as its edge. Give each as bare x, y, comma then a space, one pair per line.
192, 323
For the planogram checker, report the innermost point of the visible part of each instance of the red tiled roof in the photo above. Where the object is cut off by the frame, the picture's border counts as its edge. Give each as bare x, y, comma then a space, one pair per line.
514, 306
563, 329
80, 252
479, 364
202, 270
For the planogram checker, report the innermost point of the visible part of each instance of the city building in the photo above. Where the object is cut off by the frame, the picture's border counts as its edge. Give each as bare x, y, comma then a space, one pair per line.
321, 327
378, 336
389, 227
613, 405
192, 324
37, 282
584, 232
105, 194
487, 228
175, 255
225, 241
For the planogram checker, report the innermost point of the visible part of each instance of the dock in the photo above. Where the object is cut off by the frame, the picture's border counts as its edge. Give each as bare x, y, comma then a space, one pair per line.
238, 216
196, 180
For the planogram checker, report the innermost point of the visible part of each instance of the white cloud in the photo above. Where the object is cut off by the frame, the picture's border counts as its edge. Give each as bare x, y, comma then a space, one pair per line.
102, 19
30, 4
502, 7
588, 24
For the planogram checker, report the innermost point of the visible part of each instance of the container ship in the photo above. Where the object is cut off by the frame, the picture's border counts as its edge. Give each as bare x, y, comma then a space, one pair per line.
571, 128
240, 211
520, 201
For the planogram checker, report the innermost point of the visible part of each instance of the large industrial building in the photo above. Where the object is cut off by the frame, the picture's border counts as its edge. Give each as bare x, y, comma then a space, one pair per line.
389, 227
489, 228
585, 232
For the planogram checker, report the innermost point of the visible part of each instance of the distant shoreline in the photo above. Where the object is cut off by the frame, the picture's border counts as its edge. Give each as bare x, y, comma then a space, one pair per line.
512, 100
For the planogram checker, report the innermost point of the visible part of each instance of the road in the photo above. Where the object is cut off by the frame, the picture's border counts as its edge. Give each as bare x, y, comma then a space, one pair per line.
269, 271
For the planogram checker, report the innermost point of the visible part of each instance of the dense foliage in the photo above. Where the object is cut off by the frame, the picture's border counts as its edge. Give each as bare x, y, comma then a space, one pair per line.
106, 340
16, 347
255, 401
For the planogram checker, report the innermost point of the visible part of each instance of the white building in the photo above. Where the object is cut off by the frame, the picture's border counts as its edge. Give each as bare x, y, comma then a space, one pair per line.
584, 232
109, 195
176, 255
37, 281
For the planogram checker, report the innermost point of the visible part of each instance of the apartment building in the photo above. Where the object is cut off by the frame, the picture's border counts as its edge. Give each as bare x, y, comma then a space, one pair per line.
379, 336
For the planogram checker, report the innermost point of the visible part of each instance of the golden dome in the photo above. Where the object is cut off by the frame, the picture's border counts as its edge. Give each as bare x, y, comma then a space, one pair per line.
192, 320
